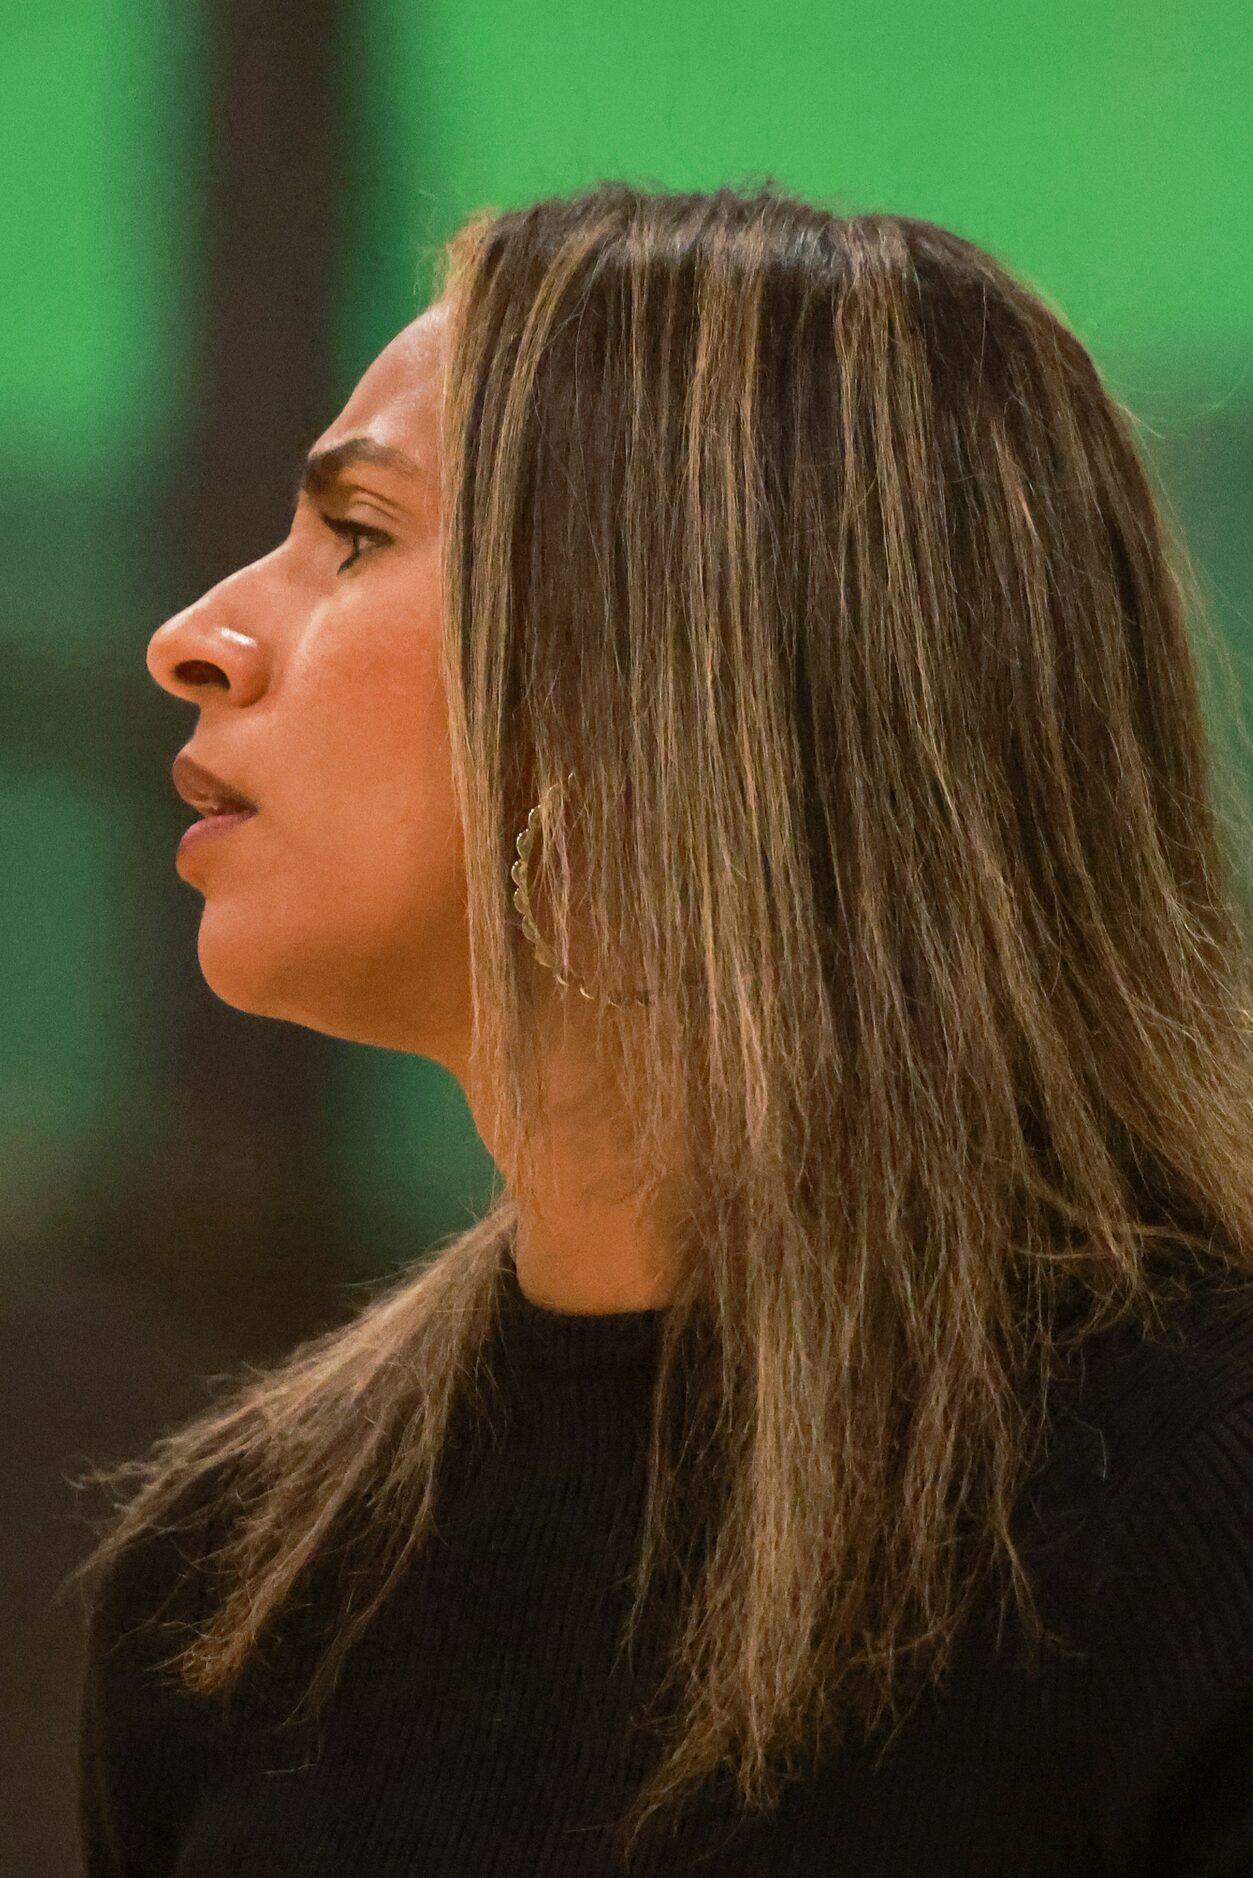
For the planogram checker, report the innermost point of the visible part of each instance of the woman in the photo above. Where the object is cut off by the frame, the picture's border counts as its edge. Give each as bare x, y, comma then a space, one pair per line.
833, 1450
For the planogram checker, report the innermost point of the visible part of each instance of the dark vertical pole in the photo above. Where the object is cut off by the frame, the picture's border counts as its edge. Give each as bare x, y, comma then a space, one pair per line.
273, 222
235, 1193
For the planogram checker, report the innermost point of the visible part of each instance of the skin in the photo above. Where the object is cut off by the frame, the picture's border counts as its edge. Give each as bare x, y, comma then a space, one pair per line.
341, 904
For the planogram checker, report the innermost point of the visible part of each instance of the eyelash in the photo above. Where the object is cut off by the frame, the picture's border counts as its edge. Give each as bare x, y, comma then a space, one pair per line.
350, 531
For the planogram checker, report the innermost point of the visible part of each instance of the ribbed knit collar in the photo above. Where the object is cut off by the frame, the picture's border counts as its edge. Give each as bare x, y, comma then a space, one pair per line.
537, 1337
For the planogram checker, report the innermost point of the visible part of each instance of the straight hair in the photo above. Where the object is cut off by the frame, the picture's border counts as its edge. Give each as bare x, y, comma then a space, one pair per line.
812, 545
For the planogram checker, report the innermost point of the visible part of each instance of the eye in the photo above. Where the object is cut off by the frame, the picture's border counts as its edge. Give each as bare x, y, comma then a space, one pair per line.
355, 532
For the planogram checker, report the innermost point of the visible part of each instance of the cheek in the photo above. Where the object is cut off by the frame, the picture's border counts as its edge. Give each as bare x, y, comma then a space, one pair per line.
376, 783
399, 854
385, 845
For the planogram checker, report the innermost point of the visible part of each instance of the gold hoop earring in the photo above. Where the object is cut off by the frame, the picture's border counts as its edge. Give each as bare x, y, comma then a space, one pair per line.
522, 901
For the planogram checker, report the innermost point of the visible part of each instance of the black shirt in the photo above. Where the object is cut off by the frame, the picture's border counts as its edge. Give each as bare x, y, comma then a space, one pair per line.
480, 1727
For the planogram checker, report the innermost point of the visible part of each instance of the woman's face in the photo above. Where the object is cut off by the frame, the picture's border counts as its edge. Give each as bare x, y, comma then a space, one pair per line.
340, 905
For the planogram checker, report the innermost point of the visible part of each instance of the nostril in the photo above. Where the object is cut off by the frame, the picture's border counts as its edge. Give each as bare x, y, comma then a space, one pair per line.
200, 672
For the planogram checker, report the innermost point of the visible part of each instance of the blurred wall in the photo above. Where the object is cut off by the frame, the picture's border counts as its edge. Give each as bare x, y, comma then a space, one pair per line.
213, 217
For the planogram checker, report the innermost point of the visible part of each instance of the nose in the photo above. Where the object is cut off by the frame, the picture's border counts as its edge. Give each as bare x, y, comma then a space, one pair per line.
205, 646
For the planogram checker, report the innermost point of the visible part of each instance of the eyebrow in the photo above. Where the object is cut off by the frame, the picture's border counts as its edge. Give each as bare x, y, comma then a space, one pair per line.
322, 469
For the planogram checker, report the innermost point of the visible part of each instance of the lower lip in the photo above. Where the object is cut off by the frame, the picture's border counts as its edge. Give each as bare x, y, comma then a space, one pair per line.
213, 826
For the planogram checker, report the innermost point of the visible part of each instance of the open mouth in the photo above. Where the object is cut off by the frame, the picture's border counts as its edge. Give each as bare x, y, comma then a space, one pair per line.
215, 823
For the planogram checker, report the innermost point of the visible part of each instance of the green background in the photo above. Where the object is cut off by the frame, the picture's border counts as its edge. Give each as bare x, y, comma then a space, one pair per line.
1103, 150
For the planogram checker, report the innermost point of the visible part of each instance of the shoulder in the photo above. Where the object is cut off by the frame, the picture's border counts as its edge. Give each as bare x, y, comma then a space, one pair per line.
141, 1738
1133, 1414
1169, 1631
1139, 1402
156, 1583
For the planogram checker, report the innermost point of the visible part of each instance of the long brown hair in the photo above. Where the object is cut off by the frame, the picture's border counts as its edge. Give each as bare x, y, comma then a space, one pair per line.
814, 547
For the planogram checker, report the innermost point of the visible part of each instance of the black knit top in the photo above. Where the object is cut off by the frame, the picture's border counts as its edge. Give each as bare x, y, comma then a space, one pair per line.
481, 1727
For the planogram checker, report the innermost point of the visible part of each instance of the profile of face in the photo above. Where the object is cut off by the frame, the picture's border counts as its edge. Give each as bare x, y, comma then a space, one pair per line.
339, 905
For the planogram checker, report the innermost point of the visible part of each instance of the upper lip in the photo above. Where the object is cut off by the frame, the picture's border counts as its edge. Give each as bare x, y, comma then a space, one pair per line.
203, 789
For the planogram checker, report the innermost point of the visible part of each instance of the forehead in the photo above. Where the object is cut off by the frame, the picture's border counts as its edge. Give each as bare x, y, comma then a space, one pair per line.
397, 398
